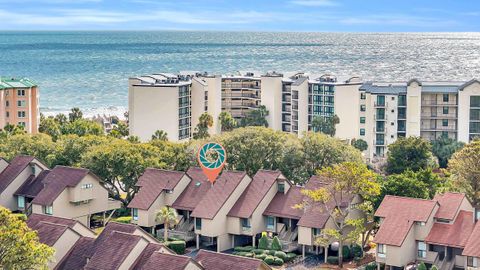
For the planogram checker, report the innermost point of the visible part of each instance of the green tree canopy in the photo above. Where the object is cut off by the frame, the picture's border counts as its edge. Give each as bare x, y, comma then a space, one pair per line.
411, 153
205, 121
325, 125
464, 166
256, 118
19, 245
360, 144
227, 122
160, 135
38, 145
168, 216
444, 148
75, 115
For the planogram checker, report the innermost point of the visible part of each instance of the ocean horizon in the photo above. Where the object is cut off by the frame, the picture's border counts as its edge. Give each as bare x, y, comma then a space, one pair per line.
90, 69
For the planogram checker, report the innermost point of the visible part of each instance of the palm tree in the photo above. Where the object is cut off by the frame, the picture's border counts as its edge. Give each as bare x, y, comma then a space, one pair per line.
168, 216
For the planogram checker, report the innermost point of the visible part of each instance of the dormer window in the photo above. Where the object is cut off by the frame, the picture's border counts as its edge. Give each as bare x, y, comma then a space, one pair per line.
169, 191
442, 220
21, 202
420, 223
86, 186
48, 210
281, 187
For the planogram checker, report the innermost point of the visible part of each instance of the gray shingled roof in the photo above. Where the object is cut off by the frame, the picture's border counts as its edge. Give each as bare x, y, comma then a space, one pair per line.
194, 192
219, 261
33, 185
77, 257
15, 167
383, 89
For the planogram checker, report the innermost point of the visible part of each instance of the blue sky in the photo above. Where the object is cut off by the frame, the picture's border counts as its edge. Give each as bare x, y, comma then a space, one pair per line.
251, 15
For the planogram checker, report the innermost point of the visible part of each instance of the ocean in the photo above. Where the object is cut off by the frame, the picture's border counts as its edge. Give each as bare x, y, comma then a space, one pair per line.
90, 69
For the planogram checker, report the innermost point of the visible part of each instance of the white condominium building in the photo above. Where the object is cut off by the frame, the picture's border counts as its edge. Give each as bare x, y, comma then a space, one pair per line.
377, 112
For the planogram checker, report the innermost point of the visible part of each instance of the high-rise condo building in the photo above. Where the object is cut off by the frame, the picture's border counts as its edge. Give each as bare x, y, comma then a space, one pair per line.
19, 103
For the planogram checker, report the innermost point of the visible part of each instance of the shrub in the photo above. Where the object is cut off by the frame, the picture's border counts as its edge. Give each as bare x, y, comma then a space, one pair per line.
269, 260
263, 242
261, 256
258, 251
276, 245
356, 251
422, 266
243, 249
249, 254
177, 246
126, 220
346, 252
270, 252
434, 267
290, 257
280, 254
371, 266
278, 261
332, 259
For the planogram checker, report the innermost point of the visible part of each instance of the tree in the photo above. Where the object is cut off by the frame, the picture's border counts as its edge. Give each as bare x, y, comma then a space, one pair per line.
50, 126
464, 166
360, 144
325, 125
19, 245
256, 117
160, 135
227, 122
75, 115
61, 119
38, 145
82, 127
121, 129
342, 182
205, 121
422, 266
444, 148
408, 153
70, 148
11, 130
168, 216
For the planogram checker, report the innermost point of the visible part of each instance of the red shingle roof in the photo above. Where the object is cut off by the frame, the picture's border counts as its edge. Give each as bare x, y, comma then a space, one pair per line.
33, 185
254, 193
472, 248
449, 205
56, 181
452, 235
146, 253
77, 257
15, 167
152, 183
220, 261
400, 213
166, 261
34, 220
282, 204
49, 233
216, 197
194, 192
109, 228
111, 254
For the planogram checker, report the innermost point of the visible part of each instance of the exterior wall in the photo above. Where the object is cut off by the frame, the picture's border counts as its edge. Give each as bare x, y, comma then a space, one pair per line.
400, 256
192, 266
214, 89
369, 125
302, 107
149, 107
464, 110
3, 163
305, 236
349, 115
31, 108
421, 232
133, 256
224, 242
63, 246
83, 231
271, 97
218, 225
149, 238
146, 218
7, 199
414, 97
258, 220
182, 184
198, 100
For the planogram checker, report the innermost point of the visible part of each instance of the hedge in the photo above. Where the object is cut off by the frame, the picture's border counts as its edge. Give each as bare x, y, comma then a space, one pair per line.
258, 251
356, 250
244, 249
371, 266
332, 259
346, 252
126, 220
276, 245
263, 242
177, 246
278, 261
270, 252
291, 256
261, 256
269, 260
280, 254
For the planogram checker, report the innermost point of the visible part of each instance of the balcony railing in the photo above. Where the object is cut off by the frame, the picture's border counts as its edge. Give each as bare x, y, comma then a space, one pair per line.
438, 103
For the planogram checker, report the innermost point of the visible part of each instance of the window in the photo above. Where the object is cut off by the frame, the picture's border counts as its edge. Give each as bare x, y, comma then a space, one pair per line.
48, 210
381, 250
363, 95
381, 114
21, 114
316, 231
472, 262
380, 100
362, 120
135, 213
246, 223
23, 124
363, 108
445, 122
21, 92
198, 223
7, 103
281, 187
422, 249
270, 223
445, 97
419, 223
7, 114
21, 103
87, 186
21, 202
445, 110
380, 127
402, 113
402, 100
475, 101
169, 191
392, 123
362, 132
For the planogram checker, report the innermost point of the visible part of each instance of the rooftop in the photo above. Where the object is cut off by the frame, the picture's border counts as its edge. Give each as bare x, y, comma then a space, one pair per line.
452, 235
194, 192
16, 166
449, 205
12, 83
283, 204
219, 261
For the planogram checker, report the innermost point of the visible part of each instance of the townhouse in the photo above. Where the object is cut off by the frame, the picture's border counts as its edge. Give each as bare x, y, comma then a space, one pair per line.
19, 103
27, 185
123, 247
377, 112
441, 232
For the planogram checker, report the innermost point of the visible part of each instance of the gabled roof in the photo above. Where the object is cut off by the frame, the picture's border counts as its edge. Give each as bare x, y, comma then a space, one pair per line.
452, 235
33, 185
34, 221
254, 193
146, 253
472, 248
49, 233
111, 254
220, 261
465, 85
56, 181
77, 257
109, 228
449, 204
216, 197
9, 83
152, 183
167, 261
194, 192
16, 166
282, 204
400, 213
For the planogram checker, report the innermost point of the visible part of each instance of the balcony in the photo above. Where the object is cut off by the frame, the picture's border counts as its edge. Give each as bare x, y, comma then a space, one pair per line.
438, 116
379, 142
427, 256
379, 104
434, 102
